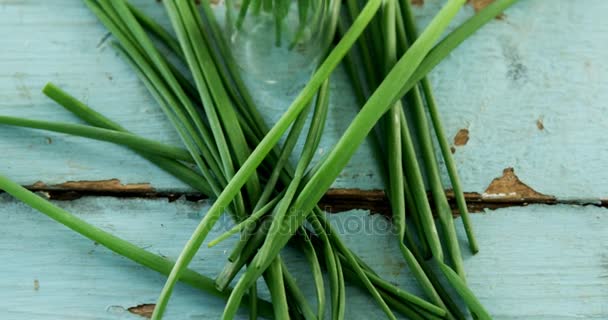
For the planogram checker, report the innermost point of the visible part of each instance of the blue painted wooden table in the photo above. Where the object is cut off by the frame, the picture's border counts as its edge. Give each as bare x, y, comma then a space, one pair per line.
525, 101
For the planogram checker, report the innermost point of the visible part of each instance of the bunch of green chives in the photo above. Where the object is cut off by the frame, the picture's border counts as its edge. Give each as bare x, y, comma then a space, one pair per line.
237, 159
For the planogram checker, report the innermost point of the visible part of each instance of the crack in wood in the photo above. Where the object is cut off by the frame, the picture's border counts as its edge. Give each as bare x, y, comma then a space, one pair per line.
505, 191
334, 201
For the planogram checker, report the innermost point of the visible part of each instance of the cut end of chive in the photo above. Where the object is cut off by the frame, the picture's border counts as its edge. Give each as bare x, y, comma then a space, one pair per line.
214, 242
48, 87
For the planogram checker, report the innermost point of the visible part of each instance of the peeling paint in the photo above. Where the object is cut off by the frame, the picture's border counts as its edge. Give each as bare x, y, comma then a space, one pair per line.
111, 185
479, 4
539, 124
509, 187
462, 137
144, 310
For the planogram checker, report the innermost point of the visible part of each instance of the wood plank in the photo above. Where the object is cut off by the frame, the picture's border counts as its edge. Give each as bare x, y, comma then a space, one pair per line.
528, 88
536, 262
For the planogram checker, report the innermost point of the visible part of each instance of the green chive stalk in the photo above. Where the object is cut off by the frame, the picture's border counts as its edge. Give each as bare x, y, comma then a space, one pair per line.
442, 206
124, 138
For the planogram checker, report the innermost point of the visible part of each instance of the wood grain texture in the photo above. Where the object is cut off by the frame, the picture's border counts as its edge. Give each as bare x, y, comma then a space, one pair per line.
543, 63
536, 262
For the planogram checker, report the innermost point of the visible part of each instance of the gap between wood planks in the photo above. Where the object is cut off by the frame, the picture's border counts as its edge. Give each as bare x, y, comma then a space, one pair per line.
334, 201
504, 191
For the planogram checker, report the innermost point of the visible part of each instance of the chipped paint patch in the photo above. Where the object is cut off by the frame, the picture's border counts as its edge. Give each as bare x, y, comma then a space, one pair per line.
144, 310
462, 137
539, 124
479, 4
36, 285
509, 187
418, 2
111, 185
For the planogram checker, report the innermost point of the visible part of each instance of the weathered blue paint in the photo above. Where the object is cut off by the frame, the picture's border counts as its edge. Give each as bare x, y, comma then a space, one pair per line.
536, 262
542, 62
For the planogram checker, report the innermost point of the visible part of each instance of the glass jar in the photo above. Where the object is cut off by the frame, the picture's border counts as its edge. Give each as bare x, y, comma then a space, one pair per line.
276, 42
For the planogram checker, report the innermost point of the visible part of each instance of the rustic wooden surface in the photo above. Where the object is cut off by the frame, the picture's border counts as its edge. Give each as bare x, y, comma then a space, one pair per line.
524, 101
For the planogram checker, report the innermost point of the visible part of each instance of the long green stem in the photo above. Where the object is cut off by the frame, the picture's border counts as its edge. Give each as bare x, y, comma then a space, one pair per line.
441, 203
467, 295
330, 263
421, 211
122, 138
396, 191
310, 147
212, 78
416, 104
84, 112
276, 286
296, 297
313, 260
341, 307
253, 305
412, 33
203, 90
